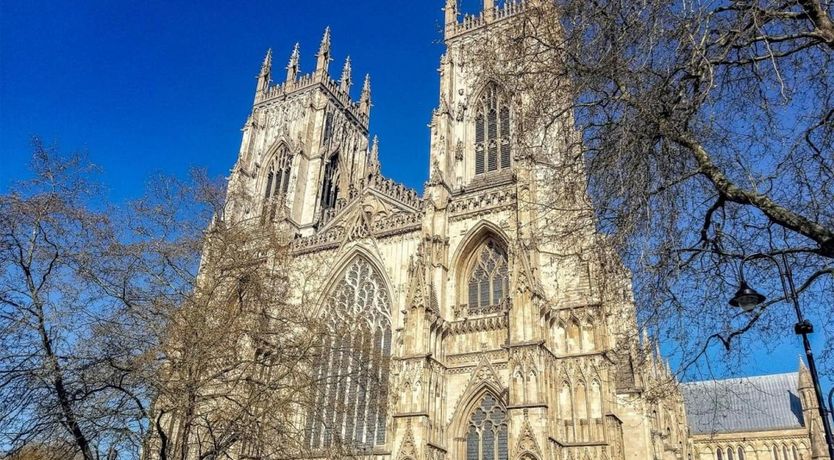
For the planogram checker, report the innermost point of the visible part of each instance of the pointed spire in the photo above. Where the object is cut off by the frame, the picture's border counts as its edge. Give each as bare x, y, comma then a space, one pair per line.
346, 81
266, 72
293, 66
804, 375
489, 9
324, 53
365, 98
451, 11
374, 160
267, 65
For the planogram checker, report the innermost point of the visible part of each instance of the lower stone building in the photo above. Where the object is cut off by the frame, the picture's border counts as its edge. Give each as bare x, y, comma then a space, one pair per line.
771, 417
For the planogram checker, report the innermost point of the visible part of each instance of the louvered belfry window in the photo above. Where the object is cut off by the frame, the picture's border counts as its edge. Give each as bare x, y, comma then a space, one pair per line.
492, 131
489, 276
350, 406
486, 438
277, 183
278, 178
330, 183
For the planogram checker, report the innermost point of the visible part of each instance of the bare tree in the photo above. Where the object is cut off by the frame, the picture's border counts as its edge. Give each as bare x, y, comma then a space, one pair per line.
705, 129
62, 391
237, 361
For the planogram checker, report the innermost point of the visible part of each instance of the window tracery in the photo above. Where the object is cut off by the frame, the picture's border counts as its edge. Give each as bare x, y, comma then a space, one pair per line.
330, 183
351, 398
486, 437
489, 279
277, 182
492, 131
278, 177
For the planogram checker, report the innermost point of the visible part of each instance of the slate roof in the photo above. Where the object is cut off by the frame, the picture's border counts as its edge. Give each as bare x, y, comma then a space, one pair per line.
769, 402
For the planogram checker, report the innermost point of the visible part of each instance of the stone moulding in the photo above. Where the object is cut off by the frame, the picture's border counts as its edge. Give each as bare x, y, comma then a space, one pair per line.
482, 203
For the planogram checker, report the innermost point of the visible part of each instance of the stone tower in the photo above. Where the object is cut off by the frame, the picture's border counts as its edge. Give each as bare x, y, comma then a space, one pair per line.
305, 145
482, 332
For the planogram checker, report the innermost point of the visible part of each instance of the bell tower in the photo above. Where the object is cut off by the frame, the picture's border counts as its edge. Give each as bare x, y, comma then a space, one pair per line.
305, 144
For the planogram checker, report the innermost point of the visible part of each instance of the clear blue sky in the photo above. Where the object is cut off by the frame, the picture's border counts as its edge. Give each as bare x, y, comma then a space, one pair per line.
162, 86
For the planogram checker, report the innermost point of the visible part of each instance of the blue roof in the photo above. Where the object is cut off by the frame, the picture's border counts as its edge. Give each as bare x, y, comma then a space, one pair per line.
762, 403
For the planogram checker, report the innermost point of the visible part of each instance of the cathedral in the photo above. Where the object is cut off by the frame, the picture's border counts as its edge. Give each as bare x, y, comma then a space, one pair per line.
485, 331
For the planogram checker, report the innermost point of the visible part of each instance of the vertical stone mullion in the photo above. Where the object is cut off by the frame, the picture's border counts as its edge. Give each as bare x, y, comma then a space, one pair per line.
321, 394
373, 389
363, 386
342, 383
383, 392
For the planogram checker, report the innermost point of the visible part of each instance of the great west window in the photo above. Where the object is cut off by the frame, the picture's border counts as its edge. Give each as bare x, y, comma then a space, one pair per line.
350, 401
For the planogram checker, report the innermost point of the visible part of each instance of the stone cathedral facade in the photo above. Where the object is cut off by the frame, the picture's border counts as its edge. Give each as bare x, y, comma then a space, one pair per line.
497, 340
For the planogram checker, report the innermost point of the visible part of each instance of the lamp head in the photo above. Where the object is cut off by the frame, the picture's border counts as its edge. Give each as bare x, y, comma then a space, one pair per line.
746, 298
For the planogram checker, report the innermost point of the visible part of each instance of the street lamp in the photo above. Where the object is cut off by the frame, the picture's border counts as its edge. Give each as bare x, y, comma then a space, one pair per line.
748, 298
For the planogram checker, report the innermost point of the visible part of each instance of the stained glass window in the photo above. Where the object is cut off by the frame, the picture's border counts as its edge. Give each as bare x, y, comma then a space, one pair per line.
352, 375
489, 276
486, 438
492, 131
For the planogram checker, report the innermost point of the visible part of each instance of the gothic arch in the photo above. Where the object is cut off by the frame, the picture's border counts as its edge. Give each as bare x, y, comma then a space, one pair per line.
330, 181
341, 264
491, 124
462, 259
351, 403
471, 401
273, 155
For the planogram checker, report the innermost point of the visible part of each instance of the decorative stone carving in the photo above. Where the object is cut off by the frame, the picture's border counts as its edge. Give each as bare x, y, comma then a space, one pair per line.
527, 447
408, 448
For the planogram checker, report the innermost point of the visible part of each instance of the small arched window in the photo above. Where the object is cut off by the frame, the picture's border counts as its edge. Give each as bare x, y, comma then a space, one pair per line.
278, 177
740, 453
489, 280
486, 438
330, 183
785, 452
719, 454
730, 455
795, 453
492, 131
775, 452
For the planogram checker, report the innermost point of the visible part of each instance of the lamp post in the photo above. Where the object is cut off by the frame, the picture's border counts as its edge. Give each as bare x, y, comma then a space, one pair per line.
747, 299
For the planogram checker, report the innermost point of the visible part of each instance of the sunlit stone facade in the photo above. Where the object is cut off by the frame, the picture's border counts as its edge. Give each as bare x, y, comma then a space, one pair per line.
503, 341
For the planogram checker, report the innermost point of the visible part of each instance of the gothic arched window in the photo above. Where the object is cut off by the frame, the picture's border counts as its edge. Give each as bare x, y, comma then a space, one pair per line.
740, 453
488, 276
486, 438
330, 183
278, 177
277, 182
492, 131
352, 375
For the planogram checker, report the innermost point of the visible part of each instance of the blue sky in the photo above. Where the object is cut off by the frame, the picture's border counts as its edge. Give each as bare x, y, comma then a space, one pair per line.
162, 86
